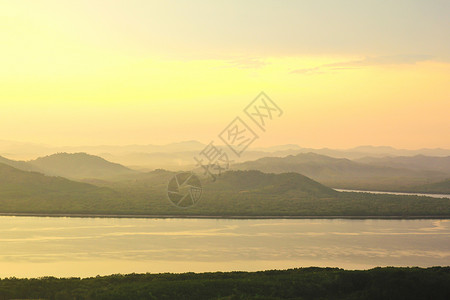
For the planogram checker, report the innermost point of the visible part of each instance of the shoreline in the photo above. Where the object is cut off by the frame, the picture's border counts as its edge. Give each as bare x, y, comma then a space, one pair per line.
231, 217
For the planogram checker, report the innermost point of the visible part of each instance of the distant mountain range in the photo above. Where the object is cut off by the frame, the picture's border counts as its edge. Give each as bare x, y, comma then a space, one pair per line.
417, 173
344, 173
177, 161
175, 156
375, 151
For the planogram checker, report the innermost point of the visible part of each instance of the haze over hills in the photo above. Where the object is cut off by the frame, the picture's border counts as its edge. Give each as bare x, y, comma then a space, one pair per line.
344, 173
179, 160
375, 151
417, 162
182, 153
21, 165
72, 166
174, 156
80, 165
388, 174
27, 151
24, 151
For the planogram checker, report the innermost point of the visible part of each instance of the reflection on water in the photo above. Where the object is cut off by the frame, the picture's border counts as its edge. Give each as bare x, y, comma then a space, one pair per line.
397, 193
42, 246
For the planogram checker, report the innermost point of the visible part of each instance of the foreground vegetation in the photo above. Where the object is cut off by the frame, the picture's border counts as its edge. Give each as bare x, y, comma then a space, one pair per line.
304, 283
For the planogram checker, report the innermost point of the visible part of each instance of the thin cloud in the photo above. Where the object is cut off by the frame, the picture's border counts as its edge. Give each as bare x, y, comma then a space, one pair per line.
384, 60
368, 61
308, 71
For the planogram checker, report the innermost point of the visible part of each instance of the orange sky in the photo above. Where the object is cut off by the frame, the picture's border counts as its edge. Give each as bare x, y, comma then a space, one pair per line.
143, 72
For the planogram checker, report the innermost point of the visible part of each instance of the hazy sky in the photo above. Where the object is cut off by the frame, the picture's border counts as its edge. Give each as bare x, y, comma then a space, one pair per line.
345, 73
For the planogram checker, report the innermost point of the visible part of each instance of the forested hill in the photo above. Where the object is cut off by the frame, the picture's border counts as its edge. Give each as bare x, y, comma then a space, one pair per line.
234, 193
22, 191
257, 181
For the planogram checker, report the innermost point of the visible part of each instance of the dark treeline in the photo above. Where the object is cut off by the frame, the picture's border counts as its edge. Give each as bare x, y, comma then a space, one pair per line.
304, 283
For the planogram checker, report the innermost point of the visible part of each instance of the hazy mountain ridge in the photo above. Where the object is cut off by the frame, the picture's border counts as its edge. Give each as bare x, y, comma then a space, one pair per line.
389, 174
312, 164
344, 173
79, 166
18, 150
184, 159
71, 165
21, 165
417, 162
179, 160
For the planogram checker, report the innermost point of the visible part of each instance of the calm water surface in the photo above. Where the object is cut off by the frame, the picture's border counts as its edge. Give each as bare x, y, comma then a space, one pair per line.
44, 246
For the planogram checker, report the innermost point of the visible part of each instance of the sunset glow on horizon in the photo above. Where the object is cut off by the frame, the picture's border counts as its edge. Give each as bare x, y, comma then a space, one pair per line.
159, 72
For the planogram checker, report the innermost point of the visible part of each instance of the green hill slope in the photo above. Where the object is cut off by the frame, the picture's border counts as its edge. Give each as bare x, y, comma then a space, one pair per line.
22, 191
269, 183
235, 193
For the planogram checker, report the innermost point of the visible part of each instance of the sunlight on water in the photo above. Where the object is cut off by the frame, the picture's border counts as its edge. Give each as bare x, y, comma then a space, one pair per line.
44, 246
